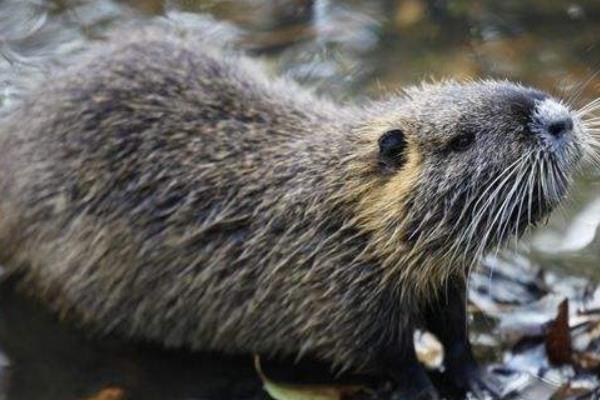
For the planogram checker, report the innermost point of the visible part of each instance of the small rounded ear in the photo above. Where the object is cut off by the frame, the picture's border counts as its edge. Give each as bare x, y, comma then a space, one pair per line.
392, 146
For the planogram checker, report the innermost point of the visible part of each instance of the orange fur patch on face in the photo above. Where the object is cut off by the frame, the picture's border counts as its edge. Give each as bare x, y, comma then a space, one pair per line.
382, 210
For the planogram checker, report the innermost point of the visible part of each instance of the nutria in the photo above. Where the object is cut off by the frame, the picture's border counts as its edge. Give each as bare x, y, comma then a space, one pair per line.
165, 190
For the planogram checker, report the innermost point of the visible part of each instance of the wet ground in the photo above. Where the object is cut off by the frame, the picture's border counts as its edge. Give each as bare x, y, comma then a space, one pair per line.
349, 50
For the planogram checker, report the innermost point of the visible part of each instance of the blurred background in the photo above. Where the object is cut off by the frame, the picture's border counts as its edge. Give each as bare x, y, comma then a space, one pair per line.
349, 50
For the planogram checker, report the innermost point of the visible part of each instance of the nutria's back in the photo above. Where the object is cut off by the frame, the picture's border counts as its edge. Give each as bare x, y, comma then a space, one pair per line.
166, 192
171, 191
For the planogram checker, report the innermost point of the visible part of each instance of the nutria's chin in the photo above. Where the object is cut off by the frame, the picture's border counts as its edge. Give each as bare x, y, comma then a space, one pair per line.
168, 191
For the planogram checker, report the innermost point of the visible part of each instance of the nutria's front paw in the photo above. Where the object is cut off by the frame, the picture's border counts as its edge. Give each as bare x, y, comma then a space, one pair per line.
470, 378
482, 385
428, 393
412, 382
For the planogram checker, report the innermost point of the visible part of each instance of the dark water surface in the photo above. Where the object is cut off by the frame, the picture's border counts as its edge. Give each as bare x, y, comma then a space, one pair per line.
345, 49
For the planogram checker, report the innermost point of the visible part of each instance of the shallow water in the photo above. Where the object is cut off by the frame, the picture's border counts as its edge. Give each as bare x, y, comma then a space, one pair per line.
345, 49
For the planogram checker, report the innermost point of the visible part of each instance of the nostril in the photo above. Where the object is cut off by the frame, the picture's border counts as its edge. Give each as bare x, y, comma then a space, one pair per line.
560, 127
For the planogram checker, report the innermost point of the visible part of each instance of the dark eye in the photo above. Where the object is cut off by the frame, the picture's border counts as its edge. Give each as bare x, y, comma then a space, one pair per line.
391, 148
462, 141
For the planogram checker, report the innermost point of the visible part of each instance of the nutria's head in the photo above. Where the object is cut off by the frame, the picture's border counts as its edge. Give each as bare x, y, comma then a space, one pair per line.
462, 167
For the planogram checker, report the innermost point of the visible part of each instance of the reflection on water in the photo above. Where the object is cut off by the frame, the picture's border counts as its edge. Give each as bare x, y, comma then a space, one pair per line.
346, 49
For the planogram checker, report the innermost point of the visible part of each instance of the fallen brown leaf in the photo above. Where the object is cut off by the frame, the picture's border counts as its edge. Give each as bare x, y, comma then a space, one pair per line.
304, 392
108, 393
558, 337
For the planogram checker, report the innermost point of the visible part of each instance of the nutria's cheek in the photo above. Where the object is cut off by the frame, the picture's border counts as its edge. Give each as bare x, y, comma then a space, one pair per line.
385, 202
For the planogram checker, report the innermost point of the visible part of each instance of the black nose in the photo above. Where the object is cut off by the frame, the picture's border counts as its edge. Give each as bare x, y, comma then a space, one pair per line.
560, 127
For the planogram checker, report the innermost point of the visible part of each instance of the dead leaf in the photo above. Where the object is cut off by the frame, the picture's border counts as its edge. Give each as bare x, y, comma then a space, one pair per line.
304, 392
430, 352
587, 360
558, 338
108, 393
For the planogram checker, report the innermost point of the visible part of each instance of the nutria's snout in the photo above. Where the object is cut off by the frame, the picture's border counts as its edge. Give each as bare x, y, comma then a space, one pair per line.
556, 146
558, 128
553, 124
557, 143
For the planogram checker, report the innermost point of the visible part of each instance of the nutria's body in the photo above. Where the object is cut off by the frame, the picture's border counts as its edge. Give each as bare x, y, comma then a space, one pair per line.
167, 191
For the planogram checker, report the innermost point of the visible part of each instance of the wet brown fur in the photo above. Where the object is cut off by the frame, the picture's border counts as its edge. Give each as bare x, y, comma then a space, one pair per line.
178, 194
173, 192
